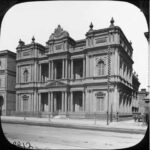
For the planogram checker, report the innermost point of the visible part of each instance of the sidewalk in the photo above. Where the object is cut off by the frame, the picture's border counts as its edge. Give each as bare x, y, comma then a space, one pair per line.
123, 126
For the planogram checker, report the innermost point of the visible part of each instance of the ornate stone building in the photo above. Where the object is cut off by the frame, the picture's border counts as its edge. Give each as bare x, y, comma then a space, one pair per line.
7, 82
69, 78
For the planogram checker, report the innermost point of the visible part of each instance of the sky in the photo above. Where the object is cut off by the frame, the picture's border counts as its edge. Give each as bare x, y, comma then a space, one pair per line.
41, 18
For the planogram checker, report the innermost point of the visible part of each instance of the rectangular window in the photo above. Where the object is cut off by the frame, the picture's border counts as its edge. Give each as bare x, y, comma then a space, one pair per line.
25, 104
58, 47
100, 104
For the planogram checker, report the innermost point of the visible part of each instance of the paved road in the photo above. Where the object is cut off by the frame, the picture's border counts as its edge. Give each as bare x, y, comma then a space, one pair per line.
51, 137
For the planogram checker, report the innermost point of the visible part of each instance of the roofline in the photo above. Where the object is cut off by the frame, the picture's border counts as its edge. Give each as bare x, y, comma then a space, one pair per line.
5, 52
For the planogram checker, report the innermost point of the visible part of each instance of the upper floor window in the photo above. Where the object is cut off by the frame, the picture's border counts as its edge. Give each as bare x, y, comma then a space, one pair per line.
25, 74
100, 68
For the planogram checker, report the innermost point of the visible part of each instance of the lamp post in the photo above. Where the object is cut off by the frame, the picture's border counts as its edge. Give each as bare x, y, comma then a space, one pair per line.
108, 84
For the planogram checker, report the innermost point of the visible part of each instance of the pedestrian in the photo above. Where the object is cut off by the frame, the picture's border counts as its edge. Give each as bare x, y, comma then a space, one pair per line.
135, 117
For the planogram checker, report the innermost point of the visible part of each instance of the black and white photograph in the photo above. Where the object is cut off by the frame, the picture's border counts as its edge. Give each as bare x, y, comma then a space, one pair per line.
74, 75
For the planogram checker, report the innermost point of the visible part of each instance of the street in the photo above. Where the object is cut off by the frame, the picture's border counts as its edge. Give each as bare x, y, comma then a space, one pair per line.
63, 138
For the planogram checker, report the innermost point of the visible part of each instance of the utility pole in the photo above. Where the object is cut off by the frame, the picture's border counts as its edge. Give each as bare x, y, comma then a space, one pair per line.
108, 84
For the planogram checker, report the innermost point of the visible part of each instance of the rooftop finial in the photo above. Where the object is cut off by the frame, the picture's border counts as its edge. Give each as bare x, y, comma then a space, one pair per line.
21, 42
112, 22
91, 26
33, 39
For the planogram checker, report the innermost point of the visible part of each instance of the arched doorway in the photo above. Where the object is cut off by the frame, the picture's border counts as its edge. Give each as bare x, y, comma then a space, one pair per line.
1, 104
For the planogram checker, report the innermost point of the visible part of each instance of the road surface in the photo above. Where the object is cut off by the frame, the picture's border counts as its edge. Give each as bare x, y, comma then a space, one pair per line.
63, 138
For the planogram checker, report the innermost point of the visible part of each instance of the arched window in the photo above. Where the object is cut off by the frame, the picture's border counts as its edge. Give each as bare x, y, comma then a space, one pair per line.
100, 68
25, 74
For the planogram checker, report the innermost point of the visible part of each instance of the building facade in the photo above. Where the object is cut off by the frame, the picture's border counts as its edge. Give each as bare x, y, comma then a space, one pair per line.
70, 78
7, 82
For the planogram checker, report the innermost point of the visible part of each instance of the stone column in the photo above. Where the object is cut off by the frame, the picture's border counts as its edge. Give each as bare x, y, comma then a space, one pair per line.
34, 72
32, 102
116, 99
115, 64
62, 101
63, 68
83, 101
84, 68
71, 68
66, 70
54, 71
17, 102
118, 61
16, 74
19, 74
71, 101
65, 101
87, 66
50, 70
55, 102
91, 71
49, 102
40, 72
39, 95
35, 101
68, 101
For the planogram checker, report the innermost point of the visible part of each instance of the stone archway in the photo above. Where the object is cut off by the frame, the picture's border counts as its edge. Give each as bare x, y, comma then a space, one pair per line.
1, 104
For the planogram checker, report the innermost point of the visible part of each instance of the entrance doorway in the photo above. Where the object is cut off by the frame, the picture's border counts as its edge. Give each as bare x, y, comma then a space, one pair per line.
57, 102
77, 101
44, 102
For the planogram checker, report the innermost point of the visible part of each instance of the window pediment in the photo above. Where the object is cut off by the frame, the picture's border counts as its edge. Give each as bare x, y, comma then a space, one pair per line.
100, 94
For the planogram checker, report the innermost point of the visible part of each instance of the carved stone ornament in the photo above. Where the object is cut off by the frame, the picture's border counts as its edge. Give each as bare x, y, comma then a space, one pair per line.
59, 33
100, 94
98, 59
55, 83
25, 97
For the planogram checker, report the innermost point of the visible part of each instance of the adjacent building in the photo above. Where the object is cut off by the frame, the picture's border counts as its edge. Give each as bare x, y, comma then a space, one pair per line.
143, 101
7, 82
135, 99
70, 78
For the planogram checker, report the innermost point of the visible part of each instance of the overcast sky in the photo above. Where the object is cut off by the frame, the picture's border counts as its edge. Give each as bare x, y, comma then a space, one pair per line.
41, 18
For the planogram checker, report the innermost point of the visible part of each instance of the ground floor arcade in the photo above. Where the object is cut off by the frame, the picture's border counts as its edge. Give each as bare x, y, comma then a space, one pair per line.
80, 101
